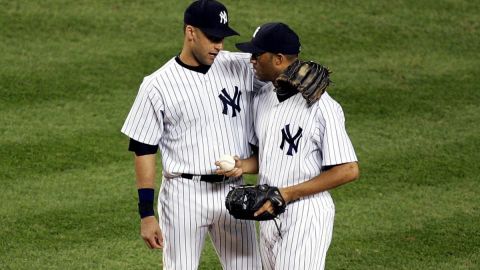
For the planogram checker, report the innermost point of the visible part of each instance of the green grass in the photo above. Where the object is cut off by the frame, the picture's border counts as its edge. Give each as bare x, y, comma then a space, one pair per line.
406, 73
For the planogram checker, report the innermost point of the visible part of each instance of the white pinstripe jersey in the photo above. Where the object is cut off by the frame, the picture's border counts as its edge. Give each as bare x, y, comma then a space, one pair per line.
295, 141
195, 117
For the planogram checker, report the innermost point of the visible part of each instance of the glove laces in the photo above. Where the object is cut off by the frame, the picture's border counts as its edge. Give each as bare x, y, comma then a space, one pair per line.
278, 227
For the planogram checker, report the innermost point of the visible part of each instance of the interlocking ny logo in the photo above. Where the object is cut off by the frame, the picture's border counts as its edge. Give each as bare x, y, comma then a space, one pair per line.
223, 17
256, 31
292, 141
229, 101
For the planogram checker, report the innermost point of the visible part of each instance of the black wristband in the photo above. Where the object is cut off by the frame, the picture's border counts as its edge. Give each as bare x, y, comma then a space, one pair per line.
145, 202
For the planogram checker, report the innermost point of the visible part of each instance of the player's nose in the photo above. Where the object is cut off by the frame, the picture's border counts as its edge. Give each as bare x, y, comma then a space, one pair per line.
218, 46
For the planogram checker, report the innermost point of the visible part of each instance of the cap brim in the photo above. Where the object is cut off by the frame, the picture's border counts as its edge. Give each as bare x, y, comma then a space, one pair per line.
248, 47
220, 33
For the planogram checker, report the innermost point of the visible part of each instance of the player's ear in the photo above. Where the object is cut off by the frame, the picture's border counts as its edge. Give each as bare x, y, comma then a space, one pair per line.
279, 59
189, 32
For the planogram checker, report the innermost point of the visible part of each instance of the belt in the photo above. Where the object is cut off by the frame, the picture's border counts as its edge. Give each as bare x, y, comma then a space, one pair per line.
211, 178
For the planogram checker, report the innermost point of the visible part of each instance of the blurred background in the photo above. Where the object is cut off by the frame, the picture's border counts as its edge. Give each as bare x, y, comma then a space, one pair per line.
406, 73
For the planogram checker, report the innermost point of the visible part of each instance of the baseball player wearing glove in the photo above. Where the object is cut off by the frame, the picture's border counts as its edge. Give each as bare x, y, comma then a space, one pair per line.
244, 201
303, 150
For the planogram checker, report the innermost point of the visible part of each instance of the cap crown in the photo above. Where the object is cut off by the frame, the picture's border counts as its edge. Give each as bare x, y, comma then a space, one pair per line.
276, 38
210, 16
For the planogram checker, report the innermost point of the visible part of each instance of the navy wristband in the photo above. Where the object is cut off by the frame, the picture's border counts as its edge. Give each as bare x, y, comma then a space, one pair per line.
145, 202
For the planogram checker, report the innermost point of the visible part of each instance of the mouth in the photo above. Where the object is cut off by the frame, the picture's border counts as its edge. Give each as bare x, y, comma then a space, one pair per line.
213, 54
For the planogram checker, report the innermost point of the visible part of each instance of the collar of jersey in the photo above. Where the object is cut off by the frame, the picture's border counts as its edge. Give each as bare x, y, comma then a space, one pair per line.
201, 69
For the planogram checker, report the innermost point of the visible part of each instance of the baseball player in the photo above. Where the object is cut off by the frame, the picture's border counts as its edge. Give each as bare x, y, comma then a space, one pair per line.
304, 150
195, 108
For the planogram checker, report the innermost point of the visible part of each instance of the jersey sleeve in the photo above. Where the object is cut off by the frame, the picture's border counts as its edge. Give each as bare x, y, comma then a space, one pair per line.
244, 66
331, 136
252, 136
144, 122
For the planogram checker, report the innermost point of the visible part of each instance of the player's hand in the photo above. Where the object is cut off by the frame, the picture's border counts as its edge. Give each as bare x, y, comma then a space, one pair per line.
151, 233
237, 171
268, 206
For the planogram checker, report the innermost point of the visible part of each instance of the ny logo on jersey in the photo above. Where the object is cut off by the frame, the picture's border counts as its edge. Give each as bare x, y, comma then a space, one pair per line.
292, 141
229, 101
223, 17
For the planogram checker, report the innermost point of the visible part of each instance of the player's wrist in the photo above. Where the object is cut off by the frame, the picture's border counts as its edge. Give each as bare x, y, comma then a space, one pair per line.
249, 166
146, 198
287, 195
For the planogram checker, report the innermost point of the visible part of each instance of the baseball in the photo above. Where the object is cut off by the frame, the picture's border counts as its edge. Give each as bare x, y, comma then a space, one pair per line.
227, 163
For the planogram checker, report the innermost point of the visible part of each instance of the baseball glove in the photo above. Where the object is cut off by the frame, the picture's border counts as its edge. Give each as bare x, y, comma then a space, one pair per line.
309, 78
243, 201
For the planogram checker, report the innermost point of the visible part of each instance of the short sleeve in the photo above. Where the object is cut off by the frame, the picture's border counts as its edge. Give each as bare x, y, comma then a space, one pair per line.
144, 122
244, 66
252, 136
331, 135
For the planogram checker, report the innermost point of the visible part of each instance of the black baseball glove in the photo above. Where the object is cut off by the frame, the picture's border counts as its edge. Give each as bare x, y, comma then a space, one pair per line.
309, 78
243, 201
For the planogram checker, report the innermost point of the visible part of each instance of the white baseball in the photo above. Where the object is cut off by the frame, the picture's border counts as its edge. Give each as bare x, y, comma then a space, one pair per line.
227, 163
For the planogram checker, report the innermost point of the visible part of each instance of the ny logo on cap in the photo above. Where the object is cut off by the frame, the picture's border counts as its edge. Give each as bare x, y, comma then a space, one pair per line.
292, 141
223, 17
256, 31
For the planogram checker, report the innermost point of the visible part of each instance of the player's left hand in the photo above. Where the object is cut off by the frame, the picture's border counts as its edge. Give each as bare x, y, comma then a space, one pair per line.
151, 232
237, 171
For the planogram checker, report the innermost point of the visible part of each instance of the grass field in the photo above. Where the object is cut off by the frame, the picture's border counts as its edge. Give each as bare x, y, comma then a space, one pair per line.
406, 72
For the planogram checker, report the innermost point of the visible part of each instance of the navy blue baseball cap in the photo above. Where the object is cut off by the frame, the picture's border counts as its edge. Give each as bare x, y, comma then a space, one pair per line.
210, 16
273, 37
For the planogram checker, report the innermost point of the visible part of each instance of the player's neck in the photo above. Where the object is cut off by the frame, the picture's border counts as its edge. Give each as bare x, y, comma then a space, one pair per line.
188, 59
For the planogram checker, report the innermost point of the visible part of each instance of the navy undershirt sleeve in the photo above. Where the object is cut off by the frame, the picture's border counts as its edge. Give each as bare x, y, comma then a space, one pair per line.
142, 149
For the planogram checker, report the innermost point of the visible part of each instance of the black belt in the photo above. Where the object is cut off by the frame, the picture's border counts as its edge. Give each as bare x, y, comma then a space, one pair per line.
211, 178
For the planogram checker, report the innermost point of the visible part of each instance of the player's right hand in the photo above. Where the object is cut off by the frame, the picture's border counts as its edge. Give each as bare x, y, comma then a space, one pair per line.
151, 233
235, 172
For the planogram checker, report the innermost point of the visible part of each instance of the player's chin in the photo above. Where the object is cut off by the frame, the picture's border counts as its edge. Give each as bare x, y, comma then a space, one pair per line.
211, 57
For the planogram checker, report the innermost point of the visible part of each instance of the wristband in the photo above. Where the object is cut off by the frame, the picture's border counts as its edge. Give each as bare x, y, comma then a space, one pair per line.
145, 202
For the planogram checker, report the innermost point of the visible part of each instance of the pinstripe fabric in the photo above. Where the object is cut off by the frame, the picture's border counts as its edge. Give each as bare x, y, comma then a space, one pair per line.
181, 111
306, 229
324, 140
188, 210
295, 142
195, 118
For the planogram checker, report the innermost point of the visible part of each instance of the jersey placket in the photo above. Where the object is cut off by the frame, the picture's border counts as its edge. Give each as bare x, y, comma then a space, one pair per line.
208, 92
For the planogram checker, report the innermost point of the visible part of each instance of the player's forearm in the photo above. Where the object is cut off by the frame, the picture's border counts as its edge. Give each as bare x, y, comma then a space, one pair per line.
250, 165
334, 177
145, 171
